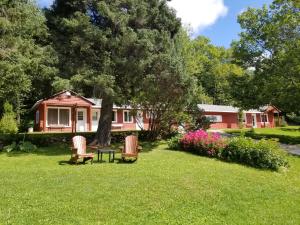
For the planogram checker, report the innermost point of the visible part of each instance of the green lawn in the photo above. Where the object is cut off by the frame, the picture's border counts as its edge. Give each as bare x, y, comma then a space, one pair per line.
288, 135
163, 187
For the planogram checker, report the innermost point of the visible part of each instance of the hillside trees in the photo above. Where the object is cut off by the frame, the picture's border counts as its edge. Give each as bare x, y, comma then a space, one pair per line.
213, 67
26, 61
269, 48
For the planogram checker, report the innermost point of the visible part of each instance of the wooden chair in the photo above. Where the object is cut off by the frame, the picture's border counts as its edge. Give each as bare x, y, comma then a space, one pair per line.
131, 148
79, 150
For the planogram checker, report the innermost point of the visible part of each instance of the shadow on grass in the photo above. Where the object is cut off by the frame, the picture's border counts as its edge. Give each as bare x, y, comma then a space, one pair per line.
289, 129
64, 151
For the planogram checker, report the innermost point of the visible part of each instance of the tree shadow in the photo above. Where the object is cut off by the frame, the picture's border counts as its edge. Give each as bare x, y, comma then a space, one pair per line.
289, 129
121, 161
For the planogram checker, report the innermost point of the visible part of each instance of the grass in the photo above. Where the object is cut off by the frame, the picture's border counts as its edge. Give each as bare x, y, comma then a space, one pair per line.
162, 187
288, 135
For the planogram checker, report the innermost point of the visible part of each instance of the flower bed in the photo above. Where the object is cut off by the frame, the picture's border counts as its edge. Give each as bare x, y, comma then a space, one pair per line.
264, 154
203, 143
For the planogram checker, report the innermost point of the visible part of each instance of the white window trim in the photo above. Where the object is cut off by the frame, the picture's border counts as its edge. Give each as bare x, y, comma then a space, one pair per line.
267, 116
218, 121
116, 116
98, 114
37, 117
70, 121
124, 117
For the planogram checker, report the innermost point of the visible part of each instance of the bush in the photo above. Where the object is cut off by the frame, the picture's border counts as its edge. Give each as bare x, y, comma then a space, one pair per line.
203, 143
287, 139
293, 118
8, 123
174, 142
46, 139
24, 146
261, 154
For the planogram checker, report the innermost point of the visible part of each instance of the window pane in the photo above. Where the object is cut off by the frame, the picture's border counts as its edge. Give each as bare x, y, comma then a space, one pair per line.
80, 115
114, 116
52, 117
127, 116
64, 117
215, 118
264, 118
95, 116
37, 117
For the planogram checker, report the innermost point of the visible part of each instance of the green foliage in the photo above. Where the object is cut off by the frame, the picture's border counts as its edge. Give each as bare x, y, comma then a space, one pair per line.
174, 142
9, 148
117, 51
196, 119
23, 146
46, 139
212, 67
293, 118
8, 123
26, 61
287, 135
264, 154
269, 47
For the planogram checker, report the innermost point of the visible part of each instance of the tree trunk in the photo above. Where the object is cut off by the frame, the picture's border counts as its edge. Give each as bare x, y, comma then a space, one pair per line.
103, 135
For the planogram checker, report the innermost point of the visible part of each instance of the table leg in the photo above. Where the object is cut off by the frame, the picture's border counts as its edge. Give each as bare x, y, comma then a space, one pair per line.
113, 156
98, 155
109, 157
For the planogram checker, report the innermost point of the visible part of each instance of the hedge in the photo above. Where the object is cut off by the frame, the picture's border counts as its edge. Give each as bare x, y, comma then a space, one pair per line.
280, 137
46, 139
265, 154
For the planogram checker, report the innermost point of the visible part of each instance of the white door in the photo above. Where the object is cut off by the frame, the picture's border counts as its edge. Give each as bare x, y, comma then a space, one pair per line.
95, 119
254, 122
81, 120
139, 120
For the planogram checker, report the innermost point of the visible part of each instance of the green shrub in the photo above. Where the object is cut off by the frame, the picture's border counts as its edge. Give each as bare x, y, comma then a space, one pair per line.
9, 148
174, 142
46, 139
24, 146
261, 154
8, 123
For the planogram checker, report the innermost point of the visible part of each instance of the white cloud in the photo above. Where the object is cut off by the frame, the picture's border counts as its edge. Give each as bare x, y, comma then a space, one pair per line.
199, 14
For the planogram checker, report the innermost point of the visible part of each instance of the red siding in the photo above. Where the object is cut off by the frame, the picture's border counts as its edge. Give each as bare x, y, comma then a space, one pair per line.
229, 120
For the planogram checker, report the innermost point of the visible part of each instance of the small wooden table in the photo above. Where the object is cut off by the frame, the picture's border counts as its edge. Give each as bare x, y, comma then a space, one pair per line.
107, 151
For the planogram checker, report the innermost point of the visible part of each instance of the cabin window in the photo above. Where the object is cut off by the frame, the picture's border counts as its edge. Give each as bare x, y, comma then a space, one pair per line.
114, 116
37, 117
80, 116
264, 118
58, 117
214, 118
127, 118
95, 115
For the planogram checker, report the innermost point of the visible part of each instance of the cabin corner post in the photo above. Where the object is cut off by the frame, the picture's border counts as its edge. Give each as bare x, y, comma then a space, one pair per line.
45, 117
89, 118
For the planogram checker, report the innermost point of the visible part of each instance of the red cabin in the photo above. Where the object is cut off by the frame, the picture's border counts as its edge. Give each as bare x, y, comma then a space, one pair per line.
223, 117
67, 111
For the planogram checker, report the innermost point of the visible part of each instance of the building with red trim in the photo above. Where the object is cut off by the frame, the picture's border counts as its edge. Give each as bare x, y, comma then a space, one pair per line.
67, 111
223, 117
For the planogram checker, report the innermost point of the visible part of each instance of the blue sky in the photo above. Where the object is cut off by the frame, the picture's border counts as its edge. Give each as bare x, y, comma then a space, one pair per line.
216, 19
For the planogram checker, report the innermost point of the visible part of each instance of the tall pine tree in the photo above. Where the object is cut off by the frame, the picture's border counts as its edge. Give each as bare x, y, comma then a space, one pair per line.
106, 47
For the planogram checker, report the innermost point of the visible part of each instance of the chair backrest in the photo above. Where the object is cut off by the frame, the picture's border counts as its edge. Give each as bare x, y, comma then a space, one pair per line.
131, 145
79, 143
